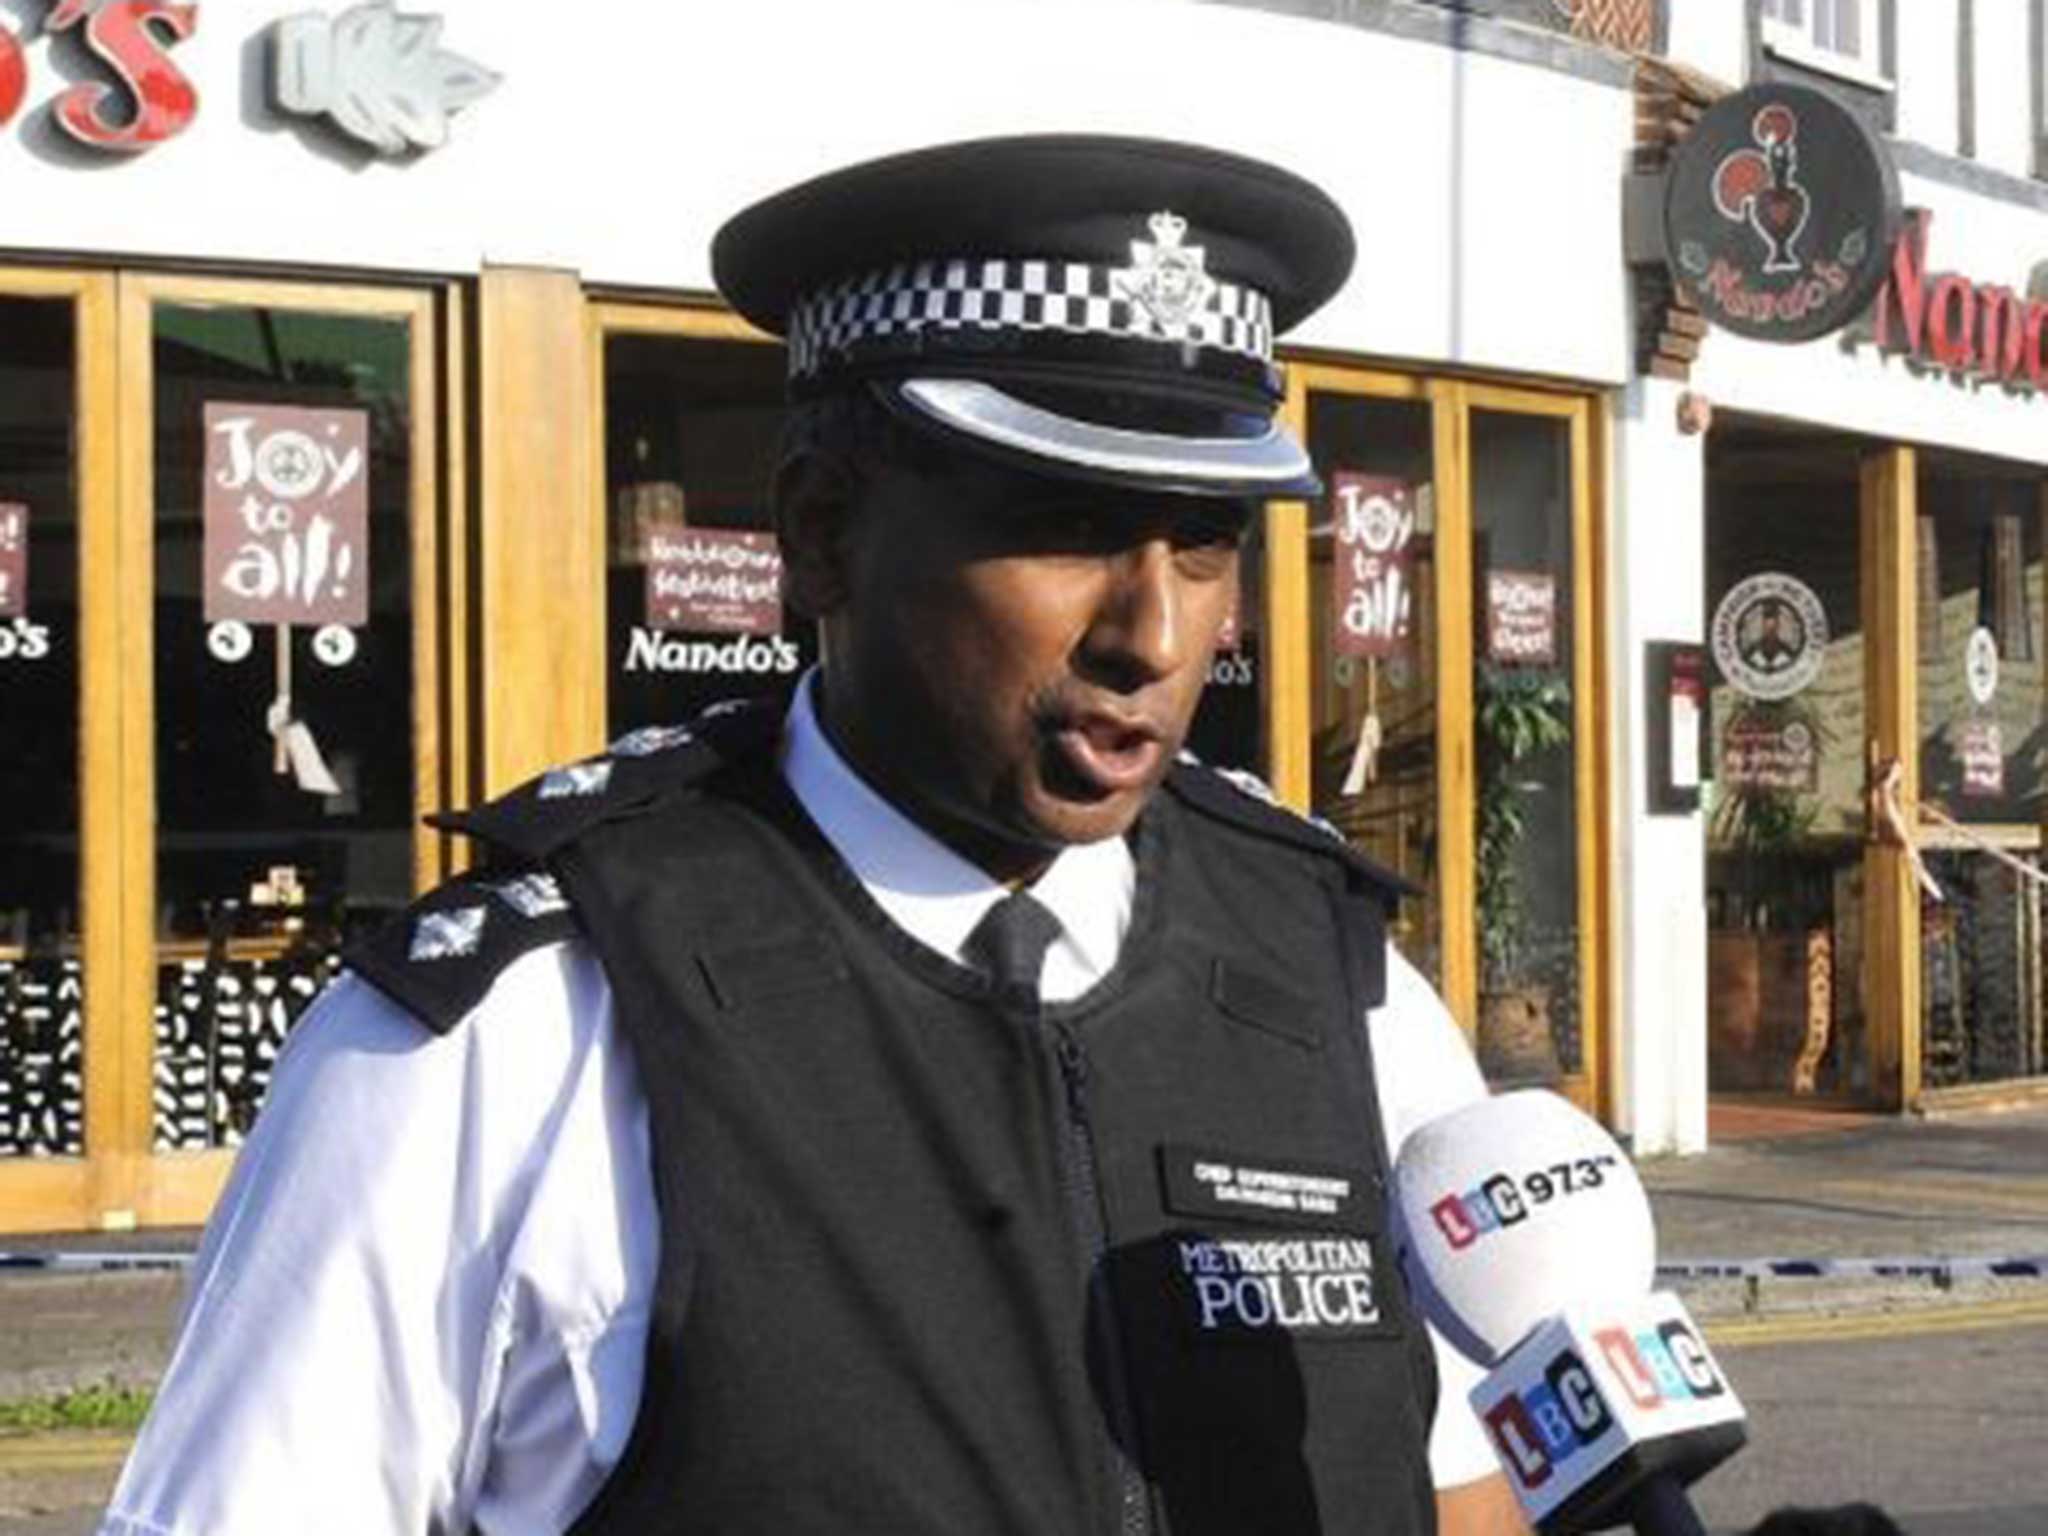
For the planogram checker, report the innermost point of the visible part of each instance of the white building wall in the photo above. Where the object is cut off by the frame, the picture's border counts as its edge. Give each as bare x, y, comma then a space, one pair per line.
1710, 35
1656, 545
2003, 74
615, 148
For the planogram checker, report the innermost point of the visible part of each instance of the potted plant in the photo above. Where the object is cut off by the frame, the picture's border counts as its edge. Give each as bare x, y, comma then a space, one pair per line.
1518, 715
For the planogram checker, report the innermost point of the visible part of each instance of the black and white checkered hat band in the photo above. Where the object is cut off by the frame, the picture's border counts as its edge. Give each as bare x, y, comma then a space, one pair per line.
1014, 295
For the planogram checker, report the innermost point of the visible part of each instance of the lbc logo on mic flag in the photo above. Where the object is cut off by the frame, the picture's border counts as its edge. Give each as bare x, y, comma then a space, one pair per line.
1602, 1388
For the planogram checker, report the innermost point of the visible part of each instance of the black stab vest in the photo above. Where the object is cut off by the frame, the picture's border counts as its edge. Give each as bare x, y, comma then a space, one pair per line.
929, 1265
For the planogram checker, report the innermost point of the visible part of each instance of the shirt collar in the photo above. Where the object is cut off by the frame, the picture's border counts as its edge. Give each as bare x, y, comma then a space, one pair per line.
927, 889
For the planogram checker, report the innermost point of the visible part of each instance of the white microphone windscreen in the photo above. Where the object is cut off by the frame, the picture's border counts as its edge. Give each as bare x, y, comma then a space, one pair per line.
1516, 1208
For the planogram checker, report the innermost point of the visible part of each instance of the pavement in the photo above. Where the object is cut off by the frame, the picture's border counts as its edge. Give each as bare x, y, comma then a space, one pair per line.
1783, 1182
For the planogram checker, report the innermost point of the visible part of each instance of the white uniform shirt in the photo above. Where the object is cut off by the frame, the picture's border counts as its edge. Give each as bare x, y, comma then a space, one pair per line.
422, 1303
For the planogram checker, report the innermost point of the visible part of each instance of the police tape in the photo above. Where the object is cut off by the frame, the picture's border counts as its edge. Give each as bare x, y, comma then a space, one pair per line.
1938, 1268
89, 1263
1941, 1269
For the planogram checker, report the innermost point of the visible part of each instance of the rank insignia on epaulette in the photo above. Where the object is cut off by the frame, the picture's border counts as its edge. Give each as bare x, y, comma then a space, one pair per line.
447, 935
576, 780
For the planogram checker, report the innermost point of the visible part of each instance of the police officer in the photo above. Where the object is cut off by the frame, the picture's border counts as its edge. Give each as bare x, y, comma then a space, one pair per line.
933, 1105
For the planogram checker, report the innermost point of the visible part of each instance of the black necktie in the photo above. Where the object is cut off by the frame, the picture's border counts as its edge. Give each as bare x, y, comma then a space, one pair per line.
1009, 943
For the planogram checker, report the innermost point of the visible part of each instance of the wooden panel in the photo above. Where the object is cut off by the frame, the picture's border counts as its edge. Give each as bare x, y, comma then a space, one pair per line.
1456, 781
1891, 949
54, 1194
459, 646
540, 561
1589, 769
179, 1189
1287, 667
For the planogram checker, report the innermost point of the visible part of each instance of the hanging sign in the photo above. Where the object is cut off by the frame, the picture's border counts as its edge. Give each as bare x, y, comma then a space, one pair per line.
1521, 617
13, 560
1373, 519
287, 510
720, 580
1770, 635
1760, 752
1980, 664
1779, 212
1980, 747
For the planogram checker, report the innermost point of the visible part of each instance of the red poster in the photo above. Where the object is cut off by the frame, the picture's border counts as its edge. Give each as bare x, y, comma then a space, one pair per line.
1521, 617
1373, 522
724, 580
13, 560
1760, 752
1981, 747
287, 515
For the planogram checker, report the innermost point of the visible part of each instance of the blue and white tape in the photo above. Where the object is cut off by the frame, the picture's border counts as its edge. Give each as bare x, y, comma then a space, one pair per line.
1936, 1267
95, 1263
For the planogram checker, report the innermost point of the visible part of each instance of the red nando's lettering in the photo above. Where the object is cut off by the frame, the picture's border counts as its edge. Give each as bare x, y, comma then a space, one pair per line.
133, 39
1984, 329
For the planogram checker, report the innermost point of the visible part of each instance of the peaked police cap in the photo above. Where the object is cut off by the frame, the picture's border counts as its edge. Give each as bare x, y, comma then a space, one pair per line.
1088, 306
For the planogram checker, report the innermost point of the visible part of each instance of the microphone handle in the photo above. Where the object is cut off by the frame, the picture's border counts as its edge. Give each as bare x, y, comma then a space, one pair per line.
1661, 1508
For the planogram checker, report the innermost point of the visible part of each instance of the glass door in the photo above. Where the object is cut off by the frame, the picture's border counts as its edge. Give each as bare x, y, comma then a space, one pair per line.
1450, 707
59, 829
280, 536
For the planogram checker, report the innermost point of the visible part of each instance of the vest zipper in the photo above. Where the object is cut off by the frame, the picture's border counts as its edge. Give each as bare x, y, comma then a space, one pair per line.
1085, 1189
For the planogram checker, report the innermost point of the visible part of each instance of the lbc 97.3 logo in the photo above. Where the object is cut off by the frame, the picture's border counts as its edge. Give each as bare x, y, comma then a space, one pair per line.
1504, 1200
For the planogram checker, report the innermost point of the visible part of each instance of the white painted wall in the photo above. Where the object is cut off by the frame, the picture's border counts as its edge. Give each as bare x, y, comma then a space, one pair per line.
1486, 193
2004, 80
1712, 36
1657, 543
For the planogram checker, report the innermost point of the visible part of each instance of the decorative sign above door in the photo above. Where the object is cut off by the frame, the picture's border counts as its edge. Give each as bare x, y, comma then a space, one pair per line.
1779, 213
381, 77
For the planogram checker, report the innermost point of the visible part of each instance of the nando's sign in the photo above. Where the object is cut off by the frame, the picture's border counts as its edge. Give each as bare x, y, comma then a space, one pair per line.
1779, 213
1945, 320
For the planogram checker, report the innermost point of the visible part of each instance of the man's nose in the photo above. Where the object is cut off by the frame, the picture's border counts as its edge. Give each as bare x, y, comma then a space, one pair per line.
1139, 633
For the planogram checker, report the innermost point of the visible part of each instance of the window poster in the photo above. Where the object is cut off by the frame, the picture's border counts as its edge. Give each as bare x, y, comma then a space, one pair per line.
1521, 617
714, 580
1980, 747
287, 512
1372, 586
13, 560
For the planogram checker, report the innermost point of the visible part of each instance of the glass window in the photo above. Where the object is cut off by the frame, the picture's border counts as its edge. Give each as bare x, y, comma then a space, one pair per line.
41, 981
1526, 832
1785, 818
1983, 747
694, 610
1372, 606
1841, 34
284, 682
1229, 728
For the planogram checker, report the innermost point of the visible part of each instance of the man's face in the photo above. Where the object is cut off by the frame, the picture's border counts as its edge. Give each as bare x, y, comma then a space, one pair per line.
1017, 659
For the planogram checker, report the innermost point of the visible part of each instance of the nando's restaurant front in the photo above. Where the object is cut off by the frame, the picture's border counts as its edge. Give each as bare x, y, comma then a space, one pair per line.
1872, 593
359, 460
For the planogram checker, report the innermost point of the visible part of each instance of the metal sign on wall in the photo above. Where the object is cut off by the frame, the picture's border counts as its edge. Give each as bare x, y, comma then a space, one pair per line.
1779, 213
153, 100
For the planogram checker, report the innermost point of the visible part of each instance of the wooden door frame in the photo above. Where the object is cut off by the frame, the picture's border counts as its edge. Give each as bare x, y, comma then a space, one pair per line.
603, 319
66, 1193
157, 1189
1289, 663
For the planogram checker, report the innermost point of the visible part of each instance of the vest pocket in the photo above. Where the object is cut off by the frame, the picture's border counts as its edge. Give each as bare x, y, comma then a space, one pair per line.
1249, 998
739, 978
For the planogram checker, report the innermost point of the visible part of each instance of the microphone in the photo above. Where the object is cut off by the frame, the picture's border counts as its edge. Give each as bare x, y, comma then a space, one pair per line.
1531, 1246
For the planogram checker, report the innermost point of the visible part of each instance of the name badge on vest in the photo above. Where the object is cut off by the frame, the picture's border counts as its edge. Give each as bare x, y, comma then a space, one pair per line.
1320, 1280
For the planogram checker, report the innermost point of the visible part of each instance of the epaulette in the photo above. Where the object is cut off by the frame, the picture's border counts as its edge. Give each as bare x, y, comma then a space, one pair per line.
440, 956
1246, 801
554, 809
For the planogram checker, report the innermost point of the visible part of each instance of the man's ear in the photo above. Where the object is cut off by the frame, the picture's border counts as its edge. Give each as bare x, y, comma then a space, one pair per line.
815, 496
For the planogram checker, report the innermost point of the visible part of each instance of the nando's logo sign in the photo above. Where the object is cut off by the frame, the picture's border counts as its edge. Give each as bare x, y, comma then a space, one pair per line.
1985, 330
1779, 213
131, 39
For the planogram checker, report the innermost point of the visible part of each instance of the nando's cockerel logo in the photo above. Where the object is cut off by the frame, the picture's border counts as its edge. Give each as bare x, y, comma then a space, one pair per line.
1779, 213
